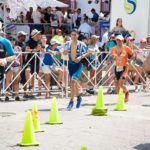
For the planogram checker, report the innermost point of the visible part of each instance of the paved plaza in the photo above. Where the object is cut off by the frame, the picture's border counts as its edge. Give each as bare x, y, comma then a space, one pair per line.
128, 130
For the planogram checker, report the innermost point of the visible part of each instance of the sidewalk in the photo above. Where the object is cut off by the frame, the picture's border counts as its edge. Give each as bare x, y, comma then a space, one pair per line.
129, 130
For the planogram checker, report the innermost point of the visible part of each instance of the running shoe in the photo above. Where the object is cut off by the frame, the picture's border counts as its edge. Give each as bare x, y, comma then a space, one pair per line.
6, 99
79, 100
17, 98
70, 105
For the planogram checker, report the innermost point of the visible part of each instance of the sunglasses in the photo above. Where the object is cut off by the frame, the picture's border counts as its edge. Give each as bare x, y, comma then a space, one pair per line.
12, 39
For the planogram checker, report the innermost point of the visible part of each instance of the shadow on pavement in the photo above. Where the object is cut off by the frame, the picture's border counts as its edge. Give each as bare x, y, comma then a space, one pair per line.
146, 105
86, 104
145, 146
60, 109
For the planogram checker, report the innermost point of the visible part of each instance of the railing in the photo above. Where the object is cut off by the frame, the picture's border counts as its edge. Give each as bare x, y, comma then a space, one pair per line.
103, 74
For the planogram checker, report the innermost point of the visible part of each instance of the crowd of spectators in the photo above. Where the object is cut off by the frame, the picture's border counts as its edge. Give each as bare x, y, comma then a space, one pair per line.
45, 57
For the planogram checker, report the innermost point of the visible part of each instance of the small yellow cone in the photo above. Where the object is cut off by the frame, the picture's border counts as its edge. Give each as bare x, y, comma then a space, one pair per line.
120, 104
28, 137
83, 148
100, 108
54, 115
35, 117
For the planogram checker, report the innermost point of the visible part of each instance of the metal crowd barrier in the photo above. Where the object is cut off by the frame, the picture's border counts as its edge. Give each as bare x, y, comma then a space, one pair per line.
105, 68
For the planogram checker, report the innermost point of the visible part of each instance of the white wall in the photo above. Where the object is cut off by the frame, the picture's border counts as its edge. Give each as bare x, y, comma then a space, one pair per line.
138, 21
86, 8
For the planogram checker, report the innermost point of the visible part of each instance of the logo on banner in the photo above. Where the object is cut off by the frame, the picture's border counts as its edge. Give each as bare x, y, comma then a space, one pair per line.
130, 6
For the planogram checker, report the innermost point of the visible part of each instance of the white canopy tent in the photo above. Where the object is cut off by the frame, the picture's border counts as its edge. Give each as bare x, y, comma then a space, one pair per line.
51, 3
23, 5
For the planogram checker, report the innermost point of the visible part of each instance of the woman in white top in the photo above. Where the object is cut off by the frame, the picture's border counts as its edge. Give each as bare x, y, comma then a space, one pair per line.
54, 21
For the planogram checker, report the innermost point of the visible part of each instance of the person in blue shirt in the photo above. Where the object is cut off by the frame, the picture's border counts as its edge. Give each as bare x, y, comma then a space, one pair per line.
76, 51
50, 65
95, 16
6, 55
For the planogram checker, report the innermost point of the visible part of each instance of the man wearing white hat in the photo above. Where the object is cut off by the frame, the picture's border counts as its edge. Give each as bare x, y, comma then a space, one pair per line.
33, 48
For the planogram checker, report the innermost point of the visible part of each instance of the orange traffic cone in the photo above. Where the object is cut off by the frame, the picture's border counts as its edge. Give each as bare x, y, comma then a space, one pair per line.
35, 116
28, 137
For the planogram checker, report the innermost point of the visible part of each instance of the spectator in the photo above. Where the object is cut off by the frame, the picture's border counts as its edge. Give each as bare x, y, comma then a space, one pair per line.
95, 71
7, 16
2, 34
50, 65
85, 29
77, 18
59, 37
21, 18
57, 64
95, 16
119, 26
21, 42
54, 21
36, 15
46, 19
47, 15
141, 56
43, 69
104, 37
5, 48
33, 47
13, 72
95, 24
68, 16
148, 42
60, 16
29, 16
1, 12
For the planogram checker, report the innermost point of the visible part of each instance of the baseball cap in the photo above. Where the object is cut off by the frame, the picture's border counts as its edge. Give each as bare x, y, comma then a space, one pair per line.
22, 33
95, 36
130, 38
143, 40
148, 36
119, 37
35, 32
52, 42
112, 36
58, 30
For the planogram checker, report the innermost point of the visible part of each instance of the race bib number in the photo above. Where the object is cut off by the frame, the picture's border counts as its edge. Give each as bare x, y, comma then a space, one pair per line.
119, 69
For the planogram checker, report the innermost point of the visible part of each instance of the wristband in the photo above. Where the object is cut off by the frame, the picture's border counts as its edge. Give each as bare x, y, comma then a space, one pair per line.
4, 61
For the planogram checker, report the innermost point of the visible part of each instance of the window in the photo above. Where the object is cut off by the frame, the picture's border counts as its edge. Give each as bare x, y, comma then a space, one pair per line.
105, 6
